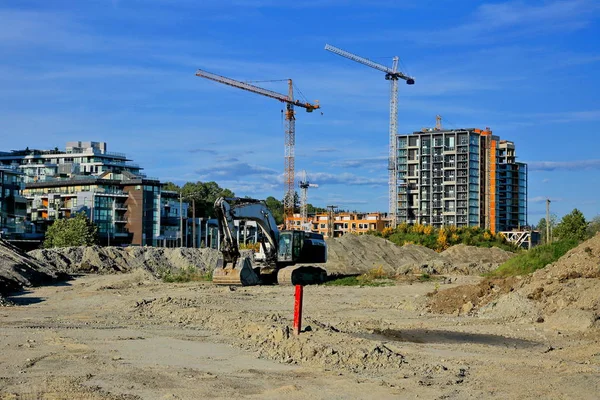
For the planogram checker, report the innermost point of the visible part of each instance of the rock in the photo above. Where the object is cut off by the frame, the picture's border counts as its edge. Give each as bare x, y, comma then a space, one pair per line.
467, 308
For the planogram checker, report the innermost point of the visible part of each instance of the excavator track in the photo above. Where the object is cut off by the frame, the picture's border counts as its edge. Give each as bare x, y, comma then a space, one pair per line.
240, 274
301, 275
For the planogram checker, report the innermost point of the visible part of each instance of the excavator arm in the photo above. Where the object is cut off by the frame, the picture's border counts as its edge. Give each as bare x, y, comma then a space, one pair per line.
234, 208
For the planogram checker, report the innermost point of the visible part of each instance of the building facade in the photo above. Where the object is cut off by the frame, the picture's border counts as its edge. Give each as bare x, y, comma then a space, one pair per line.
125, 208
340, 223
460, 177
13, 206
78, 158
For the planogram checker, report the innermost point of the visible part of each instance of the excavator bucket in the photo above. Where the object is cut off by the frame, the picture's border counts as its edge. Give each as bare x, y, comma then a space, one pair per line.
301, 275
240, 274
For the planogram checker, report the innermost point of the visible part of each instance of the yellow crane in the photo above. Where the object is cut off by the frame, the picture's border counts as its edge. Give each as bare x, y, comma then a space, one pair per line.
290, 130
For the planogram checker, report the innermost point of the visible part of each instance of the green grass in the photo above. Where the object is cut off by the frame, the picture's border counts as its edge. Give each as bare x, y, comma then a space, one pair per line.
361, 280
190, 274
534, 259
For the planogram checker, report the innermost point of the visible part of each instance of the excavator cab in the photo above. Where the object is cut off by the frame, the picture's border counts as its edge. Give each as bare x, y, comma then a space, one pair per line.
301, 247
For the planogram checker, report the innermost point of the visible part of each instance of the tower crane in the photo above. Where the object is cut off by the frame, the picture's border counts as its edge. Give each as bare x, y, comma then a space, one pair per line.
304, 185
290, 129
393, 75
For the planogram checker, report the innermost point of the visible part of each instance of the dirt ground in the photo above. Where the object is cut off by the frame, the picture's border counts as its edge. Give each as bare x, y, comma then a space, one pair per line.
131, 337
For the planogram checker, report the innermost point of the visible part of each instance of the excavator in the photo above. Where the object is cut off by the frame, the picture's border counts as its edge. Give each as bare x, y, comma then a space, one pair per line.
280, 251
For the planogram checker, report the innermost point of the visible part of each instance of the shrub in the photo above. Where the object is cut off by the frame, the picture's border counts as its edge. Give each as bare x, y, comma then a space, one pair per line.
534, 259
189, 274
75, 231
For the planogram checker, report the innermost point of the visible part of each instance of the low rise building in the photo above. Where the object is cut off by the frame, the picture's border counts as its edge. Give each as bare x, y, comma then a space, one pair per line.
126, 208
341, 223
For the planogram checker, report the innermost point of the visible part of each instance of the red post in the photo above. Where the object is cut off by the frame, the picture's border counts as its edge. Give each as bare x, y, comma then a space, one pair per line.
298, 309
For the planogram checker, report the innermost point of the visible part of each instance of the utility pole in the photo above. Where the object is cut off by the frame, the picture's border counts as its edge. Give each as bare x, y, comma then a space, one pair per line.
547, 220
194, 222
330, 221
180, 220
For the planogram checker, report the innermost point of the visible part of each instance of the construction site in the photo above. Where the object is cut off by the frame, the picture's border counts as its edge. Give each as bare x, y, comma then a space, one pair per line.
114, 330
321, 306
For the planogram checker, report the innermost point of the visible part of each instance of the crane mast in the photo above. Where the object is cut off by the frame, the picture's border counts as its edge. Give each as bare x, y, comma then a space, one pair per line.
304, 185
393, 75
289, 158
290, 129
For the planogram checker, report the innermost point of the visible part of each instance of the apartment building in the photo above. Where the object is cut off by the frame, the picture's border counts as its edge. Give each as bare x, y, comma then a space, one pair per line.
341, 223
13, 206
172, 212
460, 177
78, 158
126, 208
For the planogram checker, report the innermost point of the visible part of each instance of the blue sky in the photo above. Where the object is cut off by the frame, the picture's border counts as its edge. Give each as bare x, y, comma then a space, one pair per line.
122, 71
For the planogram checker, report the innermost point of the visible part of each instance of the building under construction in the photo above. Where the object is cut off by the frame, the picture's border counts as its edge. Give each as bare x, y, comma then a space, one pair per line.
460, 177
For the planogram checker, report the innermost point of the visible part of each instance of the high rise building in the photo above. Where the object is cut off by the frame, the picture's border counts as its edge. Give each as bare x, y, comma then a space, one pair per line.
460, 177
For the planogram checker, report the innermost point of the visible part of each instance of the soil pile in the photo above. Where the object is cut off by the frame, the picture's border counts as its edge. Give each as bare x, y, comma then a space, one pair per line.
117, 259
270, 336
352, 254
470, 259
347, 255
18, 270
564, 294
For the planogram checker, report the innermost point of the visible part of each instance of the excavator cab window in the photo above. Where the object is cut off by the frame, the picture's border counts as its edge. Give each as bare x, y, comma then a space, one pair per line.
284, 253
297, 245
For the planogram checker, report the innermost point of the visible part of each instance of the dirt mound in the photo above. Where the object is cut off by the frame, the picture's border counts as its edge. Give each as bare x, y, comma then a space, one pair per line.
464, 299
270, 336
352, 254
117, 259
18, 270
564, 294
475, 259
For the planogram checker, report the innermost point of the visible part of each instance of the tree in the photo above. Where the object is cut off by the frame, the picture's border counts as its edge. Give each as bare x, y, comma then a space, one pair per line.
541, 227
203, 194
170, 187
572, 226
67, 232
276, 208
310, 209
594, 226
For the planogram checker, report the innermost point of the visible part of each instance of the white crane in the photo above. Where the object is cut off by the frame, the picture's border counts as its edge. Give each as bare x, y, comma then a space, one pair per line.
391, 74
304, 185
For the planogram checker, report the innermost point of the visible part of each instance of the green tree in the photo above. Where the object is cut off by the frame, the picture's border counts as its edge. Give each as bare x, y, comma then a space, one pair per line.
67, 232
572, 226
170, 187
541, 227
310, 209
593, 226
276, 208
202, 194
